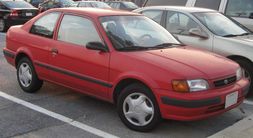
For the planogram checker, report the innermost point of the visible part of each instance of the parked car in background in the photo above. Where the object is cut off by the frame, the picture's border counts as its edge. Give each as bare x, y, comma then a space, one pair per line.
127, 59
92, 4
15, 13
207, 29
50, 4
240, 10
35, 3
123, 5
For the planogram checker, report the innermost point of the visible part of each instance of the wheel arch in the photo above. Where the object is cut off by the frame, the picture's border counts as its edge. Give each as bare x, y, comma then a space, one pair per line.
234, 57
123, 83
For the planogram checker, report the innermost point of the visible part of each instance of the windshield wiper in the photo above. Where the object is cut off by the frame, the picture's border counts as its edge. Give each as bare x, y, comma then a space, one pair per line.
230, 35
166, 45
233, 35
132, 48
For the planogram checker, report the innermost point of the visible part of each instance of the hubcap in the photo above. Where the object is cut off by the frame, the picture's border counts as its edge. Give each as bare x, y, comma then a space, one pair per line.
25, 75
1, 24
138, 109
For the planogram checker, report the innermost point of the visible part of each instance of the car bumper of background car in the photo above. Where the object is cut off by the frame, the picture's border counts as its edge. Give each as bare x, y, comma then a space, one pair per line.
199, 105
16, 21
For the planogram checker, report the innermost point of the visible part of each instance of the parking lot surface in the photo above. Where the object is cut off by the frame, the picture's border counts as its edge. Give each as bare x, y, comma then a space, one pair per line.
56, 111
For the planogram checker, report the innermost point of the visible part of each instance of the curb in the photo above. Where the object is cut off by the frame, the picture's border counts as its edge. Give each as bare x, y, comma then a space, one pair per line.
241, 129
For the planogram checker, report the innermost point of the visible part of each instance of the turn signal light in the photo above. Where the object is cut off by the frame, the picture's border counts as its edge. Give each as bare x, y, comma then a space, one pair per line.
180, 86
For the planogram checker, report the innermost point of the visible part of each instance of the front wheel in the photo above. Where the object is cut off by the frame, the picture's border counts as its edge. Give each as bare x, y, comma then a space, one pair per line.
137, 108
27, 77
247, 68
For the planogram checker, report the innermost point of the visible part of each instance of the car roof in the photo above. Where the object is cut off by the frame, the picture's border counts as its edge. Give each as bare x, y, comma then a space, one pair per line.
181, 9
94, 11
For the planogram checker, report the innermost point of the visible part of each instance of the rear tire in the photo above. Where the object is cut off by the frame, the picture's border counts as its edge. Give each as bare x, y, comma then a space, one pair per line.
27, 77
248, 68
137, 108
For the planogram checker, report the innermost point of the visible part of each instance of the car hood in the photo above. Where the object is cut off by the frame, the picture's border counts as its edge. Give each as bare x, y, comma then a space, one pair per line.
191, 63
246, 40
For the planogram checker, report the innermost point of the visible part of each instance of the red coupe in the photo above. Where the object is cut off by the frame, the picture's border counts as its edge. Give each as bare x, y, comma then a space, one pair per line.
127, 59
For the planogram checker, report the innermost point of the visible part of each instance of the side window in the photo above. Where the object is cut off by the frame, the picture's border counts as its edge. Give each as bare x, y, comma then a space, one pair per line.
178, 23
77, 30
154, 15
45, 25
211, 4
239, 8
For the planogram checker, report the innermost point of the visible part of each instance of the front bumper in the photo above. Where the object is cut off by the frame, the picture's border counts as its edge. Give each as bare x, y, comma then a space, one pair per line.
199, 105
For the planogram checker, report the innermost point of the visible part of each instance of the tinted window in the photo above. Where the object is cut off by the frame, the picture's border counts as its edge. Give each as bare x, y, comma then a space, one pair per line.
154, 15
166, 2
178, 23
239, 8
211, 4
45, 25
77, 30
17, 4
84, 4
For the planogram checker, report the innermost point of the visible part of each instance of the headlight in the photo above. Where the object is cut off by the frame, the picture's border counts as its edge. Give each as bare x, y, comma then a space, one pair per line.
198, 85
190, 85
239, 74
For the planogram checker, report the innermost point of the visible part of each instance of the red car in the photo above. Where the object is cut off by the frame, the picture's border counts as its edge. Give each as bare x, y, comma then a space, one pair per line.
127, 59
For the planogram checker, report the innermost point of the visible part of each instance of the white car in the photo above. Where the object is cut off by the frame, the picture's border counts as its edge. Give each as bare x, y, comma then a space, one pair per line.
207, 29
240, 10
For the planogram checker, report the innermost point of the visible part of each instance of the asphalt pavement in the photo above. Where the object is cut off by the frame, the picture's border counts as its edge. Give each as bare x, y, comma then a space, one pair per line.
56, 111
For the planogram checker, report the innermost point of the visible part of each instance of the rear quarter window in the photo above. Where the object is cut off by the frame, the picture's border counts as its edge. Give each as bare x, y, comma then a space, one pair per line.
166, 2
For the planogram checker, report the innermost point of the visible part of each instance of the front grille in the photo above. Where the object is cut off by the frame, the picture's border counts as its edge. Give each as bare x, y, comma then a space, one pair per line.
224, 82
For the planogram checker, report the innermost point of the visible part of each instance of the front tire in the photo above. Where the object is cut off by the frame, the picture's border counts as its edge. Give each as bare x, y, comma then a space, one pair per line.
27, 77
137, 108
248, 73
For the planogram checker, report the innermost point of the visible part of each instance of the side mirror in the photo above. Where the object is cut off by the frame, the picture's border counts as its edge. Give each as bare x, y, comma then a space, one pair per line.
251, 15
198, 32
96, 46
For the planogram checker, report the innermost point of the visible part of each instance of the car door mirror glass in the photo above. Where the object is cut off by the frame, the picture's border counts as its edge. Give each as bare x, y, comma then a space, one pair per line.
96, 46
198, 32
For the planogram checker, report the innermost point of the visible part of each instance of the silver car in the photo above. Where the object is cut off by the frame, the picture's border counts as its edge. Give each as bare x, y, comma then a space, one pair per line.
207, 29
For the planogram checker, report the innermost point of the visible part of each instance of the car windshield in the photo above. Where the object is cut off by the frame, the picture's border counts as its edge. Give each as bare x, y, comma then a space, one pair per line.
136, 33
99, 5
220, 24
17, 4
130, 5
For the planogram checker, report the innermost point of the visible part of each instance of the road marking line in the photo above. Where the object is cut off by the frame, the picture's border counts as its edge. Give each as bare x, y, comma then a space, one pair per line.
3, 34
248, 102
58, 116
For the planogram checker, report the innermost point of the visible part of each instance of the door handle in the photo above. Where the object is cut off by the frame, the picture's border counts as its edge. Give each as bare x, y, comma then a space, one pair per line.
54, 51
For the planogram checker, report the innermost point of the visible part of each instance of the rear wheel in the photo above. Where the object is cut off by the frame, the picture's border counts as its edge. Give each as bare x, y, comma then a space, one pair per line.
27, 77
247, 68
2, 25
137, 108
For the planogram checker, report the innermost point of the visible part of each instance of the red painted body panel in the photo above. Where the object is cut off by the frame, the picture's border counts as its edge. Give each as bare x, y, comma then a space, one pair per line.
155, 68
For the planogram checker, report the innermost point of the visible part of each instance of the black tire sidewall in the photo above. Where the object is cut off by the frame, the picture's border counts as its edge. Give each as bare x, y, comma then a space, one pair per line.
248, 66
140, 88
35, 83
